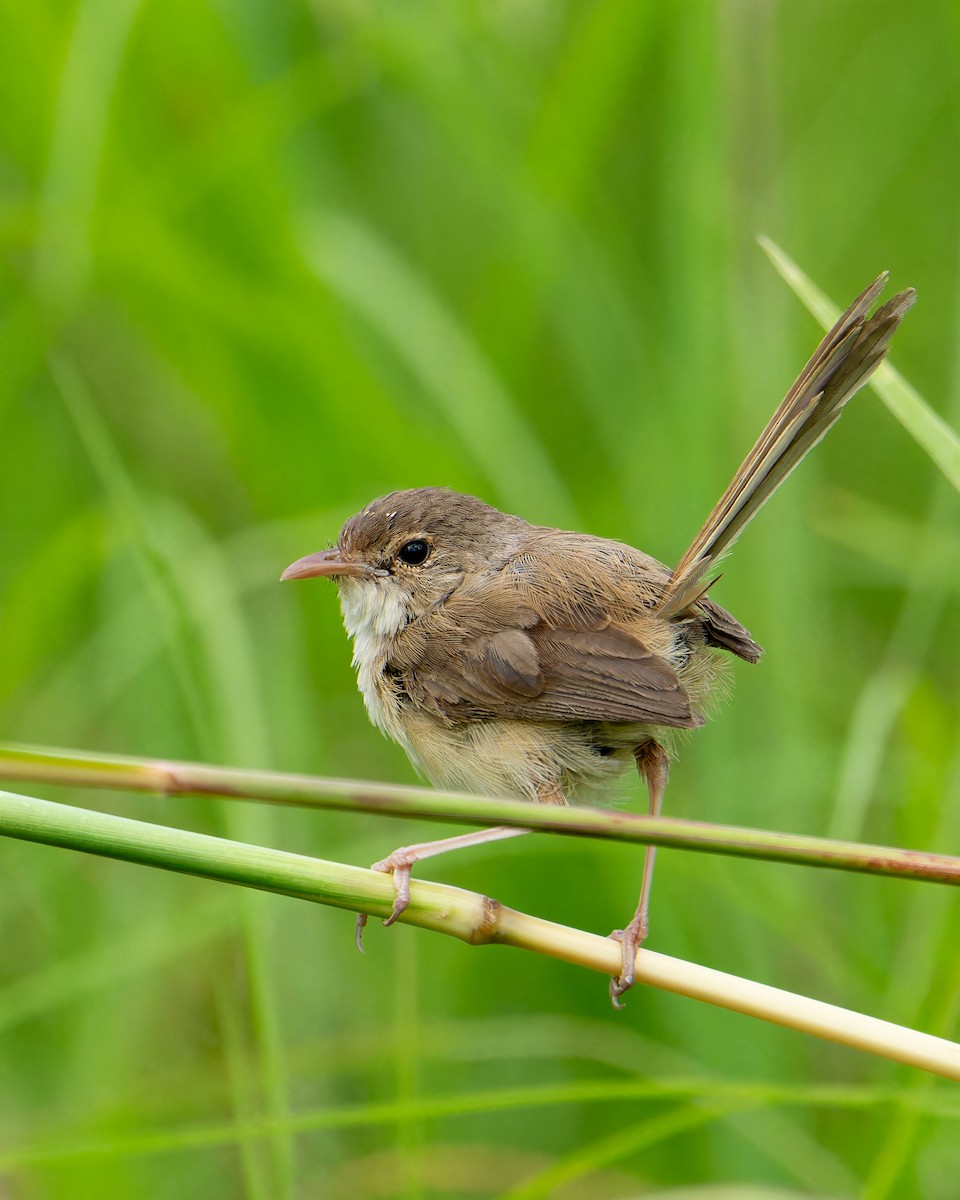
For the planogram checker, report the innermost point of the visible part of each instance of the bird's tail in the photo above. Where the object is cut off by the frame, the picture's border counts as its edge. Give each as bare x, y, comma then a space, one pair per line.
840, 366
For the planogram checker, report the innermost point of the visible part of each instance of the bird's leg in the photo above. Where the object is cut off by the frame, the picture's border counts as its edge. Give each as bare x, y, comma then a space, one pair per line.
653, 763
400, 861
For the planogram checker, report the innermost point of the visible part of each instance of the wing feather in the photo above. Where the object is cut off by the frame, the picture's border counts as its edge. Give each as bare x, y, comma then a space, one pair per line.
551, 674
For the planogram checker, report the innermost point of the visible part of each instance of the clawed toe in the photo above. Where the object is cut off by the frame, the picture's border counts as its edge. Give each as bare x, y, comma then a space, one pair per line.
401, 899
617, 988
624, 981
397, 866
630, 940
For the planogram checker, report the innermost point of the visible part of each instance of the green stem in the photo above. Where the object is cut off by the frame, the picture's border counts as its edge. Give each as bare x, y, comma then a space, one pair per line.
34, 765
475, 919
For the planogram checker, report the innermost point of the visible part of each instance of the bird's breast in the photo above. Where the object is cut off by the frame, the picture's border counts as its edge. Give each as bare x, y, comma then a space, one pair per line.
373, 616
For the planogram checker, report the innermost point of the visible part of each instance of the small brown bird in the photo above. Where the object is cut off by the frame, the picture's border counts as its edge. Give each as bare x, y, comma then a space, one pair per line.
508, 659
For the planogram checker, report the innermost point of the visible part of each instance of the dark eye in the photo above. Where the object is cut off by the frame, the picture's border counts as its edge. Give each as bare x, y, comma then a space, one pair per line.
414, 553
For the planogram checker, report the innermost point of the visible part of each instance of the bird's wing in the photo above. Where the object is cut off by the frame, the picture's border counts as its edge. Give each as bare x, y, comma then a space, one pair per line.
530, 664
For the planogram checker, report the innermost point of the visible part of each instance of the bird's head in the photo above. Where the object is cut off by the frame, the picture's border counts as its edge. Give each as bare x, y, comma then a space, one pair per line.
405, 553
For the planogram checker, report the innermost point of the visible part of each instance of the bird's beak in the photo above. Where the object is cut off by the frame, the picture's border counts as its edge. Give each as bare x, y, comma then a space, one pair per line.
332, 564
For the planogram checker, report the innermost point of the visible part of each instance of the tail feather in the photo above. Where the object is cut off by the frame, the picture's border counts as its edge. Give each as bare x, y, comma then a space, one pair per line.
839, 367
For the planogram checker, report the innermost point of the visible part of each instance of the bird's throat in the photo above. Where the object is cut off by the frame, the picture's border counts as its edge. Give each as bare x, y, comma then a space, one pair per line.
374, 613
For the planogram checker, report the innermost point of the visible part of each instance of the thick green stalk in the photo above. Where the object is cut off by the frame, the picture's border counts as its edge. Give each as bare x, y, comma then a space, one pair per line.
475, 919
35, 765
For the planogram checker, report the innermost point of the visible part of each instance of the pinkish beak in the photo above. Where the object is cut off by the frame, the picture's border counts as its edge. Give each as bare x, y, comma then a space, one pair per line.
331, 564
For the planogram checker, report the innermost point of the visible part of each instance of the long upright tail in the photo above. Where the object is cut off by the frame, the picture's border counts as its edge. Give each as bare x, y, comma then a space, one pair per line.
840, 366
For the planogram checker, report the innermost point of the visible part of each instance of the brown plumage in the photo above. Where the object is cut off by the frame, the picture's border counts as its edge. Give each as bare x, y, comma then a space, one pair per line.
512, 659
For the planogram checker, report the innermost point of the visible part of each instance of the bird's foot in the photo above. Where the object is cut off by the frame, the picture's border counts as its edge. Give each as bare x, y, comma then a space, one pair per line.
400, 861
398, 865
630, 940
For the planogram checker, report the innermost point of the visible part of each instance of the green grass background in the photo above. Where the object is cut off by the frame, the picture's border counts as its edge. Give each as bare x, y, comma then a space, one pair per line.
262, 262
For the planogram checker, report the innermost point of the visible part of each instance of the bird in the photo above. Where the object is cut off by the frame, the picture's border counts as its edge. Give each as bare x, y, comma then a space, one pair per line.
516, 660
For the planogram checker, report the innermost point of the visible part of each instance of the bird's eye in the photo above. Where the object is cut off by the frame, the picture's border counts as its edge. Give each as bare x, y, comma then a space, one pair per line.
414, 553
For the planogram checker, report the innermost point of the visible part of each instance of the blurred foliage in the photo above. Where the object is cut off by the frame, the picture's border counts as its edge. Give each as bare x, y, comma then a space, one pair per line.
262, 262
